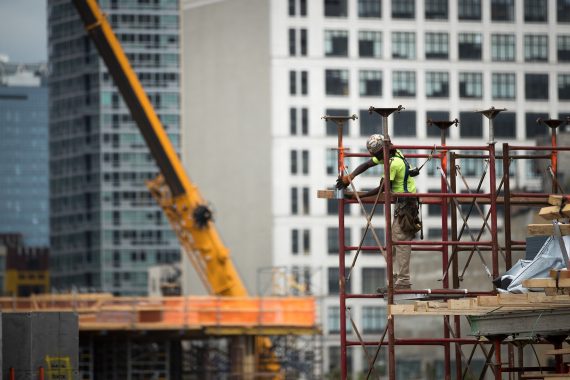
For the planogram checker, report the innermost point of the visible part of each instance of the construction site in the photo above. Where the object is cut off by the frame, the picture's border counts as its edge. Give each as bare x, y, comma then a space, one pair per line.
499, 307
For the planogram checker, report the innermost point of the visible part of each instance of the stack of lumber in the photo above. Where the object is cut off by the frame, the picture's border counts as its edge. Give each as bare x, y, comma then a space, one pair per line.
482, 305
558, 282
559, 209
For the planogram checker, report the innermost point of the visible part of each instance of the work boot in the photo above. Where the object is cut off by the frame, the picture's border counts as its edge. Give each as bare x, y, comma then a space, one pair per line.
384, 289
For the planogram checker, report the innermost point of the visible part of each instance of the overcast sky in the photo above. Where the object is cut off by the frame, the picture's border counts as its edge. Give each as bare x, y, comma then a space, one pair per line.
23, 30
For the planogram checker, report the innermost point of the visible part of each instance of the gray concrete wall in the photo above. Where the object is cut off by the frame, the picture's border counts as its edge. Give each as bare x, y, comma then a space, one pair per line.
226, 128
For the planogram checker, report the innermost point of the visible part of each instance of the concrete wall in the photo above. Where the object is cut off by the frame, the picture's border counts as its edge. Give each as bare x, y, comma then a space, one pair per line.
226, 143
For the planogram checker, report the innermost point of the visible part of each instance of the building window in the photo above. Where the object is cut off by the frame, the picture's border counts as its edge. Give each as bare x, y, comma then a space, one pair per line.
370, 83
332, 129
437, 84
563, 48
333, 281
535, 10
304, 121
293, 42
368, 125
294, 86
297, 7
470, 85
436, 9
372, 278
503, 47
536, 86
370, 241
535, 48
332, 207
302, 205
564, 86
294, 201
469, 9
300, 242
470, 125
404, 45
470, 46
505, 125
331, 161
432, 130
296, 156
293, 162
434, 234
332, 240
503, 85
336, 82
373, 319
304, 83
295, 241
304, 40
563, 10
294, 123
404, 83
403, 9
437, 46
335, 8
334, 322
532, 128
336, 43
305, 162
370, 44
434, 209
369, 8
532, 169
502, 10
405, 124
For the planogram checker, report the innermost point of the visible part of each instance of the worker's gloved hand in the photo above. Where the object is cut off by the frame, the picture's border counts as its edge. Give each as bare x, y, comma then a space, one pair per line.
342, 182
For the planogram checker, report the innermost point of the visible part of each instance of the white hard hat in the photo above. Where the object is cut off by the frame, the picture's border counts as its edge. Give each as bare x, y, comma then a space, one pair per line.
375, 143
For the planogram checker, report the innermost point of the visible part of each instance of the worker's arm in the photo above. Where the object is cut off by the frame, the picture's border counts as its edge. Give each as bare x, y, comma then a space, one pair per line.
344, 181
371, 192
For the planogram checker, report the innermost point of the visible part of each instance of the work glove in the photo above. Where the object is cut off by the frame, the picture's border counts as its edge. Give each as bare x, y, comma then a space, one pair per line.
342, 182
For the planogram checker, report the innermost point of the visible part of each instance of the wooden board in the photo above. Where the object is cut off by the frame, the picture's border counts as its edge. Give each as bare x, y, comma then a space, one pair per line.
559, 273
483, 305
554, 212
546, 229
556, 200
546, 283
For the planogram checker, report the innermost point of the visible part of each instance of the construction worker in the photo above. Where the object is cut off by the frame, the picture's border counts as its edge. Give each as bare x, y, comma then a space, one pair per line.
406, 223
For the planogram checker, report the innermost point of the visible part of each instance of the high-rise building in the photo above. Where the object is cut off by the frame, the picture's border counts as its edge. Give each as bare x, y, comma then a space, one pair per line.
24, 191
105, 227
260, 74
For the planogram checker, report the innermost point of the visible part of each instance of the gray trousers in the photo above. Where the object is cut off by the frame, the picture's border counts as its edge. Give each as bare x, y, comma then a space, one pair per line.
401, 253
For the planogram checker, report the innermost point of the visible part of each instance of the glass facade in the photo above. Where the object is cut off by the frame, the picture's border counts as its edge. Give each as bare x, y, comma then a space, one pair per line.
106, 228
24, 188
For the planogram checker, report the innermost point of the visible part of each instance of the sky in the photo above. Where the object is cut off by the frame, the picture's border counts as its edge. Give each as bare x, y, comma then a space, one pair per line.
23, 30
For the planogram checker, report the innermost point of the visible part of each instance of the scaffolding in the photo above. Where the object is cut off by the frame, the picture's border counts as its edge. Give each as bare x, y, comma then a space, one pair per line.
457, 238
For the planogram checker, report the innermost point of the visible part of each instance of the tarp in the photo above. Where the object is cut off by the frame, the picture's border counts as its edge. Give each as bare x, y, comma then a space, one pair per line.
550, 256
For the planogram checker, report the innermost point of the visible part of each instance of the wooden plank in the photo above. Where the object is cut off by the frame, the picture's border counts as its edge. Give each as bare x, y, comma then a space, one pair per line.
560, 351
556, 200
559, 273
546, 283
554, 212
491, 301
464, 303
401, 309
546, 229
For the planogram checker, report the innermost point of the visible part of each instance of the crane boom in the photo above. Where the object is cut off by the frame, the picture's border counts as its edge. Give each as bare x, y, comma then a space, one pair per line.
179, 198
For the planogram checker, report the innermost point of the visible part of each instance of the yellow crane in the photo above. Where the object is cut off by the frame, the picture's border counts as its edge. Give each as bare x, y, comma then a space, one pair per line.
177, 195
